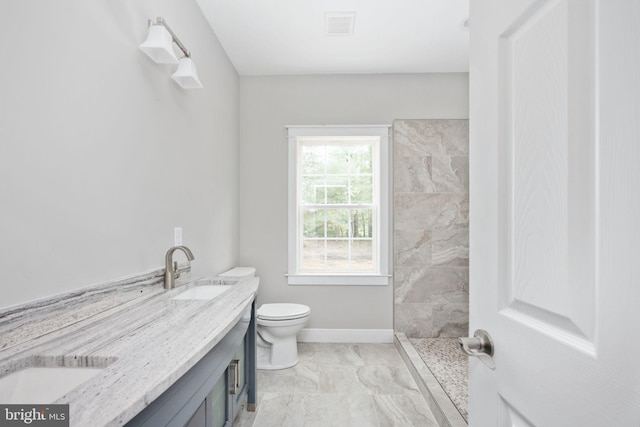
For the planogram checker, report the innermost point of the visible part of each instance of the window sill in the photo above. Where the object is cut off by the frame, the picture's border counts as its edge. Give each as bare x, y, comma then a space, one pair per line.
338, 280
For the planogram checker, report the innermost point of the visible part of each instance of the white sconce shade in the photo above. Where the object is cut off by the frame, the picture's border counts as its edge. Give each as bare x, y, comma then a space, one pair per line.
159, 45
186, 75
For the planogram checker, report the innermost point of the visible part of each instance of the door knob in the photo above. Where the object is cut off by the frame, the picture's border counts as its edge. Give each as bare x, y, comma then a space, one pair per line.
480, 346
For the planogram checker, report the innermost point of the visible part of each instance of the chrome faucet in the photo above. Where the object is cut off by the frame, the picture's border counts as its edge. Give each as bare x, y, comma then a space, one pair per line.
171, 268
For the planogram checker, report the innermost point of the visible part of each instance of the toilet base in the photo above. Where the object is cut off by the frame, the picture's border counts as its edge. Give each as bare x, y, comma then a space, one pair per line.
281, 355
275, 368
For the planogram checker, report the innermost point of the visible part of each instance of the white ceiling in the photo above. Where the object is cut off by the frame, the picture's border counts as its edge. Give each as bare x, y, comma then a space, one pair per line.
390, 36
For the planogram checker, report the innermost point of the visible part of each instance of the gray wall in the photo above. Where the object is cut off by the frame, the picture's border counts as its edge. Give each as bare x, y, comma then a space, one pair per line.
267, 105
102, 154
431, 227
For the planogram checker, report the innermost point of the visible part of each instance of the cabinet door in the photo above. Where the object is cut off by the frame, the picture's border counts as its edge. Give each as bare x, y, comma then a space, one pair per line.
238, 378
242, 369
199, 418
217, 404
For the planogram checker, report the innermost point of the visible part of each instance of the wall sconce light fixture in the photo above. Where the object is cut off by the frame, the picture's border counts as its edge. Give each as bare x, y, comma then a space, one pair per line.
159, 47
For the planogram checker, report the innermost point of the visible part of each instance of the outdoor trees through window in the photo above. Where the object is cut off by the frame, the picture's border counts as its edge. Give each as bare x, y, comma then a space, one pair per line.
337, 204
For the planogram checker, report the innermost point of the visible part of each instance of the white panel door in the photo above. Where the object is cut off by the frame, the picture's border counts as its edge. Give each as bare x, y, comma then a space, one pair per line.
555, 211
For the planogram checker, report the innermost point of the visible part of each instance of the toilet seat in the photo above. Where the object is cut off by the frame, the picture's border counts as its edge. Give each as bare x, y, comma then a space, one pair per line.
283, 311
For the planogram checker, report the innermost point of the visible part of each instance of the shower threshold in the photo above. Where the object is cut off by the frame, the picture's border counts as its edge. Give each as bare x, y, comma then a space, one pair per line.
441, 404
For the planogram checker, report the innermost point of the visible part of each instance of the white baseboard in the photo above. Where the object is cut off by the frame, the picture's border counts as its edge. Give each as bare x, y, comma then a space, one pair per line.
375, 336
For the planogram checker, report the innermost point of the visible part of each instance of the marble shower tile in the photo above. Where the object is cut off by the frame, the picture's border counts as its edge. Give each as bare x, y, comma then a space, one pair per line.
403, 411
430, 137
450, 174
450, 320
409, 140
431, 211
412, 247
450, 247
414, 320
431, 174
413, 175
433, 285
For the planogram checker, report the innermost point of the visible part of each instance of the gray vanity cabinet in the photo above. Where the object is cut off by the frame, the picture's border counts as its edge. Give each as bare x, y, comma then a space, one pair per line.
212, 392
225, 400
213, 411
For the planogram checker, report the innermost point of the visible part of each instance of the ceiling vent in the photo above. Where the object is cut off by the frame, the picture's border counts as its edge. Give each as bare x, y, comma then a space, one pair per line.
339, 23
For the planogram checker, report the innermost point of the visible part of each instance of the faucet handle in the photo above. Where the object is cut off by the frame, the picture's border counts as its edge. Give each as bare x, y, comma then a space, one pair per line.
175, 269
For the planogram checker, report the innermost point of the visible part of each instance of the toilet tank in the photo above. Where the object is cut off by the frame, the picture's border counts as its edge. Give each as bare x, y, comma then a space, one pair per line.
239, 273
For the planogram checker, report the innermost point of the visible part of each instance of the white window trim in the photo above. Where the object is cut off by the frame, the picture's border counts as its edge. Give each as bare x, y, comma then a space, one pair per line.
332, 279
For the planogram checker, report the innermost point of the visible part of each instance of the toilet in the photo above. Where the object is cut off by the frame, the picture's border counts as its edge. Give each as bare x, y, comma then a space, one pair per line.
278, 325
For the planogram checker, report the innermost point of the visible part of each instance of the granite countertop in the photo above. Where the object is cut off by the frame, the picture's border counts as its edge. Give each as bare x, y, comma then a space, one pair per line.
145, 343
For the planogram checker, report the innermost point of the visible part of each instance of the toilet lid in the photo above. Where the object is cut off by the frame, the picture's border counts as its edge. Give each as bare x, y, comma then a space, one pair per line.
282, 311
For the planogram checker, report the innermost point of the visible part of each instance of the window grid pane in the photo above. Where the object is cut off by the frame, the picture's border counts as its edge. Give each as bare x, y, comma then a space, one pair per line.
336, 207
332, 244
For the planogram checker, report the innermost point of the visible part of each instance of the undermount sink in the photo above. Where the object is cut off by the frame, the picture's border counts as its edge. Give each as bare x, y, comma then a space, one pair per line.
42, 385
203, 292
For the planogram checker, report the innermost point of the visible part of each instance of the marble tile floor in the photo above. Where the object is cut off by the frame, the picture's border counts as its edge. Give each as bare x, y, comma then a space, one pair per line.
340, 385
449, 366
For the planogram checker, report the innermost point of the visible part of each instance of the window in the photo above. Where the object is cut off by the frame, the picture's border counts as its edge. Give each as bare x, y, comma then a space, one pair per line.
338, 205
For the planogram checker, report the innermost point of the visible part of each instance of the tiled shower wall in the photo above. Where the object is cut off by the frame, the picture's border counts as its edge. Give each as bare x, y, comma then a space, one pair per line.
431, 227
